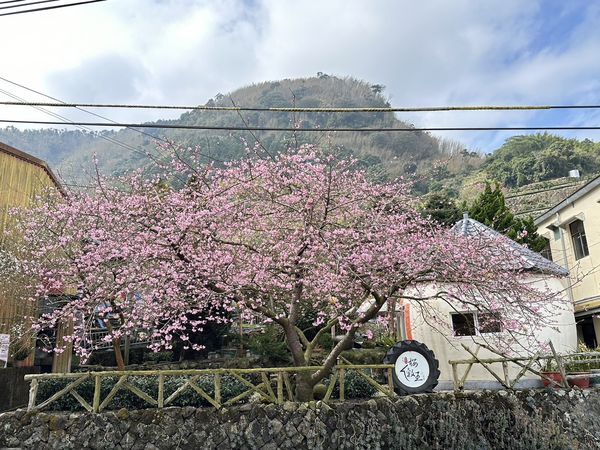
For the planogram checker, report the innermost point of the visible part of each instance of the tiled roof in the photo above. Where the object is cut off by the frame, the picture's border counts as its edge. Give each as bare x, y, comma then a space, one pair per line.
525, 259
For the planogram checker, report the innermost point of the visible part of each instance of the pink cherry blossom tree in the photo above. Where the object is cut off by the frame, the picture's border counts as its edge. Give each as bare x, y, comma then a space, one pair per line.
267, 237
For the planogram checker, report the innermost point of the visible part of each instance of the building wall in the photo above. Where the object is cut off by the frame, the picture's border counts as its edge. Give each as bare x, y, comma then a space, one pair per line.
433, 326
21, 180
585, 272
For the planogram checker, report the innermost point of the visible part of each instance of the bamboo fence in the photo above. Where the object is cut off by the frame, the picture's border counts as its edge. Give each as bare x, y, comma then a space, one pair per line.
275, 385
498, 367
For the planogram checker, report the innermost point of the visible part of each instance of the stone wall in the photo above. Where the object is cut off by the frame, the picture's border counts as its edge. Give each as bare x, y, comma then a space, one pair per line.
540, 419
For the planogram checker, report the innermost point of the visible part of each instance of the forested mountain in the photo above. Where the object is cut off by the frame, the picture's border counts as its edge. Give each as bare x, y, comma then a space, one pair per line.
523, 160
385, 153
437, 164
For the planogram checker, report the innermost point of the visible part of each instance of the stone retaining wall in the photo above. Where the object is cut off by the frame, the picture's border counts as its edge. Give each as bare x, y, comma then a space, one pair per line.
540, 419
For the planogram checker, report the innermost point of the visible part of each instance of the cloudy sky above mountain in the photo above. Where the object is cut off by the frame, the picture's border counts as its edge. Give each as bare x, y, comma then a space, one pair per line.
434, 52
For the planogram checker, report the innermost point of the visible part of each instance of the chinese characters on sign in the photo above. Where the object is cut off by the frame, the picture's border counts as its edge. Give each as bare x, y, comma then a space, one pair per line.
412, 369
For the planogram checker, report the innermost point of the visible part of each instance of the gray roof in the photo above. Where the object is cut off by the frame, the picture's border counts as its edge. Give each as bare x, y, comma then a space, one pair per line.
525, 259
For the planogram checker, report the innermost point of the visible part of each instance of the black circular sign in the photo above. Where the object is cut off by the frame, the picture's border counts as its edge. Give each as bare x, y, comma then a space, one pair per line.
415, 368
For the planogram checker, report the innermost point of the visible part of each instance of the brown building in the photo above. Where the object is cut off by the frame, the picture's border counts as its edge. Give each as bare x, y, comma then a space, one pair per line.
22, 178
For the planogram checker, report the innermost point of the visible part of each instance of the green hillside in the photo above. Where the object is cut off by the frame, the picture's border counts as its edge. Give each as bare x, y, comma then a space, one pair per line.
386, 154
437, 165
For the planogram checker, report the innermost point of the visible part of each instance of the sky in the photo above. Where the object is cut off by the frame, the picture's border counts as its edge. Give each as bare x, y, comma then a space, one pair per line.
426, 53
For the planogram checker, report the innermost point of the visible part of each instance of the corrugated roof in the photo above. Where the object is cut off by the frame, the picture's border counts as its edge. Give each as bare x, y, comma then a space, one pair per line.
525, 259
32, 160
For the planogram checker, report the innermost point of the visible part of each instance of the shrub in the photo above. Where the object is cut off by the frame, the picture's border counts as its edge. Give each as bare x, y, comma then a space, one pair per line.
270, 345
355, 386
230, 388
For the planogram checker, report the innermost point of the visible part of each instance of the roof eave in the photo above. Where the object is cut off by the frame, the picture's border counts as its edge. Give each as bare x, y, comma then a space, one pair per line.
583, 190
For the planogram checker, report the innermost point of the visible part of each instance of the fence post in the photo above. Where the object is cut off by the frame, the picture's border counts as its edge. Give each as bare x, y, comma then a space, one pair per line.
279, 387
32, 394
217, 389
506, 377
97, 386
161, 390
561, 367
455, 377
390, 379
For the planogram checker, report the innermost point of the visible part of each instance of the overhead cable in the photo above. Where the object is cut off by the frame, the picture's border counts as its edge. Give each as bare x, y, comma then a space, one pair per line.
299, 129
64, 119
45, 8
309, 110
29, 4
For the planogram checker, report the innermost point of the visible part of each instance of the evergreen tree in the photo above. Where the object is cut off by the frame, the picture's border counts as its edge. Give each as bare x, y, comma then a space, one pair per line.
491, 210
441, 208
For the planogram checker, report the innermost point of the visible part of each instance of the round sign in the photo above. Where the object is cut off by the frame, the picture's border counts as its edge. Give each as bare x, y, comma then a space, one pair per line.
412, 369
416, 369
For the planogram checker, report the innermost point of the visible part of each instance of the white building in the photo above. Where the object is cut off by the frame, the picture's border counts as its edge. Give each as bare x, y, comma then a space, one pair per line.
443, 329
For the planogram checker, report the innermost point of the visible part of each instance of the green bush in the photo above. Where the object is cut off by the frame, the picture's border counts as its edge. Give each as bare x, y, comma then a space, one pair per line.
230, 388
269, 344
355, 386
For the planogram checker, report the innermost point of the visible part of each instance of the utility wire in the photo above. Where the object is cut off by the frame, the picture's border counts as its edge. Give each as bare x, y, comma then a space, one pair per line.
45, 8
66, 121
310, 110
315, 129
11, 1
110, 139
29, 4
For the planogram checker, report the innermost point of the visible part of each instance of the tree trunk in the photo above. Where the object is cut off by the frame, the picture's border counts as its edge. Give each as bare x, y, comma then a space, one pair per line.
304, 387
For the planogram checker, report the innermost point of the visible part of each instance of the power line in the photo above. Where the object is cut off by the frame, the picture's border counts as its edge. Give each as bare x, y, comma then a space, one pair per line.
46, 8
291, 129
64, 119
29, 4
309, 110
11, 1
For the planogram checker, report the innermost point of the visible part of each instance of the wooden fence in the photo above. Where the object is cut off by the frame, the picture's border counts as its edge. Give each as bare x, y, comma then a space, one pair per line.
275, 385
533, 364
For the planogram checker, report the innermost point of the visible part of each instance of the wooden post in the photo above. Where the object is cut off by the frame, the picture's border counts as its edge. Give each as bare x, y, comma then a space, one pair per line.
217, 381
279, 387
32, 394
342, 382
561, 367
455, 377
390, 379
97, 386
161, 390
506, 377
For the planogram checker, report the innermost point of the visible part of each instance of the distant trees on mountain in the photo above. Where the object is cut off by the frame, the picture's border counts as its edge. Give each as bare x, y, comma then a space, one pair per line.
538, 157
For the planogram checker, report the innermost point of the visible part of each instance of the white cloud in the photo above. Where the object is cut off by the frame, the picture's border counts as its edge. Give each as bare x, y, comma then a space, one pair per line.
427, 53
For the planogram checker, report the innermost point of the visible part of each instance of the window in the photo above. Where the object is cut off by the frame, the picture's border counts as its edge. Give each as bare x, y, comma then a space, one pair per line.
474, 323
547, 250
463, 324
579, 240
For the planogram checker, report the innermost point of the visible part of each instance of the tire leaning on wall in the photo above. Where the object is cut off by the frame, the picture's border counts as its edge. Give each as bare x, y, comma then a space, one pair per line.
410, 358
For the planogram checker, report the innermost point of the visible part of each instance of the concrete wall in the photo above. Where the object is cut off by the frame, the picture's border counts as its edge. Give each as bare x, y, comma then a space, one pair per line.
587, 209
432, 325
14, 390
526, 420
